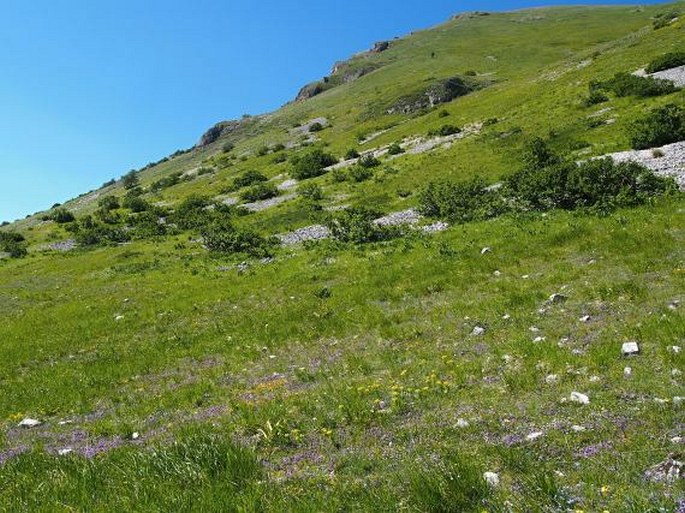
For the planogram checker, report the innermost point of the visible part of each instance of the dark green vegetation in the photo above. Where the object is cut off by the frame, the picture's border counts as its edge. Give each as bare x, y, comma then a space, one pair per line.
666, 61
199, 365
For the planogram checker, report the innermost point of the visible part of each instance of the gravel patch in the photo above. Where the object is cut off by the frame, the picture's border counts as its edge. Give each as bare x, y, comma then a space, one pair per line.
305, 127
676, 75
314, 232
671, 163
439, 226
64, 245
410, 216
288, 184
229, 201
271, 202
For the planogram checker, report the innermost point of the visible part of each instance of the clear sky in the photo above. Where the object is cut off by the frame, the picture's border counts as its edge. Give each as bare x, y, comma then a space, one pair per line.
93, 88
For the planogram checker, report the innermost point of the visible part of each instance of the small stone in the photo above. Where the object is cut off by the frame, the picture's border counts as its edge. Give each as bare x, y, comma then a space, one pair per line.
478, 331
630, 349
497, 273
119, 318
678, 400
29, 423
627, 372
585, 318
462, 423
658, 400
506, 317
64, 452
675, 349
525, 277
492, 478
577, 429
675, 373
677, 440
673, 305
577, 397
534, 436
485, 250
557, 298
126, 300
595, 379
135, 436
534, 329
667, 471
507, 358
552, 379
537, 340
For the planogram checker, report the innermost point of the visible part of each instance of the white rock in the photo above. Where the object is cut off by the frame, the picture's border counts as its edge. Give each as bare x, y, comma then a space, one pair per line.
534, 436
630, 348
135, 435
537, 340
534, 329
577, 397
675, 349
577, 429
627, 372
492, 478
497, 273
29, 423
585, 318
678, 400
119, 318
506, 317
595, 379
677, 440
478, 331
525, 277
658, 400
557, 298
485, 250
64, 452
507, 358
676, 373
462, 423
552, 379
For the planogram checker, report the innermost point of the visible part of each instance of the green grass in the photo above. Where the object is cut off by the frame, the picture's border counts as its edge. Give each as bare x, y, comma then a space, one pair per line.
334, 377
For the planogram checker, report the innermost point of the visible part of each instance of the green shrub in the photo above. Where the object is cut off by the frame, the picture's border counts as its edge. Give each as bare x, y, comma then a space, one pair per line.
395, 149
315, 127
368, 161
351, 154
108, 203
312, 164
261, 191
359, 173
356, 225
461, 202
13, 243
595, 97
626, 84
192, 213
443, 113
147, 225
666, 61
61, 216
227, 147
310, 191
221, 236
262, 150
130, 180
663, 125
165, 182
248, 178
444, 130
278, 147
339, 175
279, 158
89, 232
663, 19
135, 203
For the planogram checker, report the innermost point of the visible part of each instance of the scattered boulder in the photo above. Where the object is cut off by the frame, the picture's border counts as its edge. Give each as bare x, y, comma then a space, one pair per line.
380, 46
462, 423
492, 478
534, 436
668, 471
630, 349
29, 423
478, 331
485, 250
577, 397
556, 299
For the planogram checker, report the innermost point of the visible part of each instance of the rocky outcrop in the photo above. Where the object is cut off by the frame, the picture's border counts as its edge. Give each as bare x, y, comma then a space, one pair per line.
440, 92
381, 46
309, 91
223, 128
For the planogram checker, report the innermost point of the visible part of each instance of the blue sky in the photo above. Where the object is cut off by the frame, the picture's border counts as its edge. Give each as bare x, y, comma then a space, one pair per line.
91, 89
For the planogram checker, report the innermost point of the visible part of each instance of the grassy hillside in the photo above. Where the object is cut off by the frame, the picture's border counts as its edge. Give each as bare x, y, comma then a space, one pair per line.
390, 375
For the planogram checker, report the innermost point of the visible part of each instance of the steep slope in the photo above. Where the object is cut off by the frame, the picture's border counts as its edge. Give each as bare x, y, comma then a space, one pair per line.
387, 375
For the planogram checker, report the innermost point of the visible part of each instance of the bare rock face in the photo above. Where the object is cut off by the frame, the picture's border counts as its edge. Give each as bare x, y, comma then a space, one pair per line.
440, 92
381, 46
309, 91
217, 131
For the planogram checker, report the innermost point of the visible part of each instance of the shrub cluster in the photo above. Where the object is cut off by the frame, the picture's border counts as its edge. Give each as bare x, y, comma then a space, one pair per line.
666, 61
259, 192
357, 225
92, 232
546, 181
221, 236
395, 149
13, 243
310, 191
165, 182
250, 177
444, 130
312, 164
662, 125
61, 215
626, 84
663, 19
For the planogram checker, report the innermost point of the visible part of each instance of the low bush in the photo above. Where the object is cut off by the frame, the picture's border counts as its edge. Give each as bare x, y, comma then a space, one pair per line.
662, 125
227, 147
310, 191
13, 243
221, 236
135, 203
351, 154
61, 216
250, 177
395, 149
192, 213
626, 84
595, 97
444, 130
368, 161
166, 182
259, 192
312, 164
279, 158
663, 19
262, 150
359, 173
315, 127
108, 203
356, 225
130, 180
90, 232
461, 202
666, 61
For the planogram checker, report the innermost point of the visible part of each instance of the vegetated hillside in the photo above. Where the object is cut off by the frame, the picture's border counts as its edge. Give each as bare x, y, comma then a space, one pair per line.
414, 290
